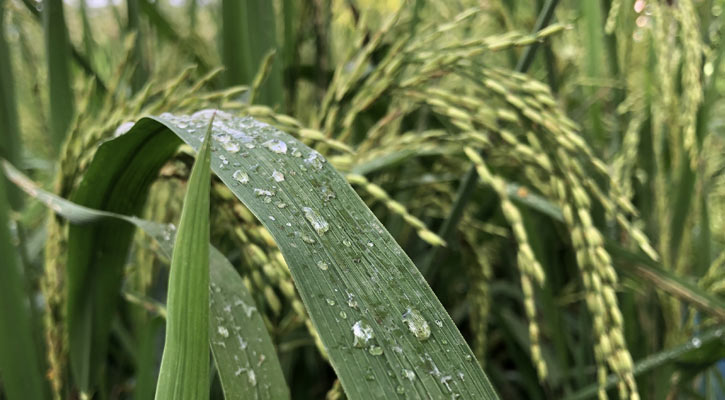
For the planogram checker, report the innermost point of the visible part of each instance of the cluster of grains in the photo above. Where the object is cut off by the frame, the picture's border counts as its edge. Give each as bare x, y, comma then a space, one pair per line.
531, 269
692, 48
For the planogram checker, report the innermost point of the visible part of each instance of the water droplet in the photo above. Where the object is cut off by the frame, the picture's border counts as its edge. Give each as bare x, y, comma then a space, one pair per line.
400, 390
223, 331
263, 192
468, 357
272, 218
362, 333
330, 302
375, 350
417, 325
280, 204
696, 342
322, 265
249, 145
347, 242
309, 240
343, 315
409, 374
231, 146
252, 377
439, 323
370, 244
277, 176
351, 301
224, 160
316, 220
240, 176
276, 146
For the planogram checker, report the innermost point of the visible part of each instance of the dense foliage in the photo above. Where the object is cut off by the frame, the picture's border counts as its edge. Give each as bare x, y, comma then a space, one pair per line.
553, 169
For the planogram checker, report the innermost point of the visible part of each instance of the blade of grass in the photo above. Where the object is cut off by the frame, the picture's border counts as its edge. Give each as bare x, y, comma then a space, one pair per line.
59, 77
249, 34
10, 142
140, 72
19, 362
184, 372
77, 55
465, 189
383, 328
168, 31
689, 351
248, 346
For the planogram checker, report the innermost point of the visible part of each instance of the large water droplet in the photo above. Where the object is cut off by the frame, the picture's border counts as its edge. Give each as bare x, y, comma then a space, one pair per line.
417, 325
362, 333
316, 220
409, 374
276, 146
240, 176
322, 265
375, 350
277, 176
263, 192
231, 146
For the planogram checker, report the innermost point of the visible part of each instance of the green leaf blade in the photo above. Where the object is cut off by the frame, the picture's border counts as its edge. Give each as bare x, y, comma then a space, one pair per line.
184, 370
358, 285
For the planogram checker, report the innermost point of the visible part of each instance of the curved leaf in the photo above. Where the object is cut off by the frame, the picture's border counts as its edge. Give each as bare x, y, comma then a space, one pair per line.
383, 328
250, 347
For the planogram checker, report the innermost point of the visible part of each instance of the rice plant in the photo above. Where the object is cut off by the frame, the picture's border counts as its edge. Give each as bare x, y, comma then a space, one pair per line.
361, 199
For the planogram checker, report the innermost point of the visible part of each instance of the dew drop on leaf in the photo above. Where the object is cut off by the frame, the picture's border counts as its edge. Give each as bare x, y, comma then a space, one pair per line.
223, 331
316, 220
240, 176
277, 176
276, 146
362, 333
417, 325
322, 265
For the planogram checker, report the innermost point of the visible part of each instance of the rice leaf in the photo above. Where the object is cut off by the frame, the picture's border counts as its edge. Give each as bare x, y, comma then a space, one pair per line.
248, 35
10, 142
57, 48
382, 326
245, 358
20, 370
184, 372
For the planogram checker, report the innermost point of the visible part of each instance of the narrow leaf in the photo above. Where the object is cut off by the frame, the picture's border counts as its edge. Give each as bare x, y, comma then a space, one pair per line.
184, 372
20, 371
58, 52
